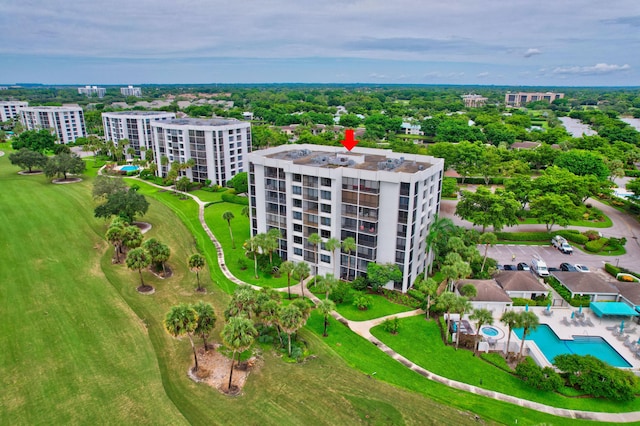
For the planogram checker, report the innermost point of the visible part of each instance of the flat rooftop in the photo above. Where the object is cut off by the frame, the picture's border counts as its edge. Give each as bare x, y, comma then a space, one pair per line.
139, 113
203, 122
353, 159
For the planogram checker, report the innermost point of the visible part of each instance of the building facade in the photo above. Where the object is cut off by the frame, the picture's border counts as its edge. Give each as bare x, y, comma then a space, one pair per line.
522, 98
11, 109
131, 91
218, 146
92, 90
385, 201
134, 126
474, 101
66, 121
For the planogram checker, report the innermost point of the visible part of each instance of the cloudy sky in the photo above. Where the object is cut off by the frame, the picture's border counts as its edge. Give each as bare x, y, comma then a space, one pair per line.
543, 42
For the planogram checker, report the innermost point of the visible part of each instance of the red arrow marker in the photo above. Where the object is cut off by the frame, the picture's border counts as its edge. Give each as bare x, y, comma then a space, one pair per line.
349, 142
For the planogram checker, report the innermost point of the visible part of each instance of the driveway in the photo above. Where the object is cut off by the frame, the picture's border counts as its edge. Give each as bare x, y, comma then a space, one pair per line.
624, 225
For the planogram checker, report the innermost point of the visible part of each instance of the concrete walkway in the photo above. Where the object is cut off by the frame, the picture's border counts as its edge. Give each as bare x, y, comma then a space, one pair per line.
363, 328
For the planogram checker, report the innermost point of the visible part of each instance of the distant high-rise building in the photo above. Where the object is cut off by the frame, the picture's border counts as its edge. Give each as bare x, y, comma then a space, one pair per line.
134, 126
522, 98
218, 147
92, 90
474, 101
11, 109
385, 201
66, 121
131, 91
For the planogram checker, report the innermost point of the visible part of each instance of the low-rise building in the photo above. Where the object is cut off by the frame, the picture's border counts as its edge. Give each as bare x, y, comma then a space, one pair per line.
489, 295
587, 284
521, 284
11, 109
67, 122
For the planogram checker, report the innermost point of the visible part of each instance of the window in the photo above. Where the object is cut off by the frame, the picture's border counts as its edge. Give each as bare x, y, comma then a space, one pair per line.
297, 239
325, 221
297, 202
325, 258
325, 181
297, 190
325, 195
325, 234
297, 177
325, 208
297, 215
297, 251
297, 227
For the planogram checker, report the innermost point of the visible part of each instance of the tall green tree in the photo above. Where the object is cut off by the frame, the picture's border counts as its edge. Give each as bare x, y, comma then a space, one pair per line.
487, 239
332, 245
28, 159
446, 302
206, 321
461, 306
252, 247
429, 287
131, 237
315, 240
301, 270
126, 203
228, 217
183, 320
63, 164
512, 320
481, 316
271, 242
106, 185
379, 275
552, 209
138, 259
528, 321
485, 208
238, 335
196, 263
115, 236
291, 320
439, 230
349, 246
35, 140
159, 253
287, 267
326, 307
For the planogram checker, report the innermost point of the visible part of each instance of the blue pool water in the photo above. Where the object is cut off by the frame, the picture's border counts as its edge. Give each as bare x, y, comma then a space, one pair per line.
129, 168
551, 345
490, 331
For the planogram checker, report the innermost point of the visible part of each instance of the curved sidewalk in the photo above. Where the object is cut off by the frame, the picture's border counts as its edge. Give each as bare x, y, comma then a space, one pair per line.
363, 328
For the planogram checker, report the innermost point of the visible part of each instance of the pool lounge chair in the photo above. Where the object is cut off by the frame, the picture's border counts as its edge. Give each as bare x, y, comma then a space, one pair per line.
565, 321
574, 321
613, 327
589, 322
629, 330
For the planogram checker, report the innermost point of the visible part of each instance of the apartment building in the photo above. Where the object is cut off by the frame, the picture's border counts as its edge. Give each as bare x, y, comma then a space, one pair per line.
131, 91
522, 98
474, 101
11, 109
66, 121
218, 146
92, 90
134, 126
385, 201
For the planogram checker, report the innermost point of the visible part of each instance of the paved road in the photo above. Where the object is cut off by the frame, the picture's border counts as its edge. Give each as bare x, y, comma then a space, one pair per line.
623, 226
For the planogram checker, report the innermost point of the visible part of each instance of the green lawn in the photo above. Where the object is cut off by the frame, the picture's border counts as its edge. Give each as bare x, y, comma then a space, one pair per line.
420, 341
210, 197
381, 307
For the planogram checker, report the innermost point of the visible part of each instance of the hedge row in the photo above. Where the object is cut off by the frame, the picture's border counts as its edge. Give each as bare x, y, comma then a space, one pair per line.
632, 173
615, 270
480, 180
570, 234
596, 246
231, 197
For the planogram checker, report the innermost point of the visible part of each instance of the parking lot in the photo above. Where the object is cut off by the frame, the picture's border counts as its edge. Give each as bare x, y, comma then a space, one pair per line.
552, 256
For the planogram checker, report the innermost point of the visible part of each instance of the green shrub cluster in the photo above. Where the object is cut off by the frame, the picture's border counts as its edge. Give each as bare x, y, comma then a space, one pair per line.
231, 197
573, 236
523, 236
632, 173
481, 181
342, 293
612, 270
545, 379
391, 325
401, 298
518, 301
596, 246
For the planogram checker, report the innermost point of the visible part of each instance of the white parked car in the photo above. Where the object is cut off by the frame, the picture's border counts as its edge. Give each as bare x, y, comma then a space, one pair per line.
581, 268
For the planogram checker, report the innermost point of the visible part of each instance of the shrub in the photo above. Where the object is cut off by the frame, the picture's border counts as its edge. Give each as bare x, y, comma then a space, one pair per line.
612, 270
342, 293
231, 197
401, 298
242, 263
573, 236
596, 246
391, 325
591, 234
362, 302
359, 284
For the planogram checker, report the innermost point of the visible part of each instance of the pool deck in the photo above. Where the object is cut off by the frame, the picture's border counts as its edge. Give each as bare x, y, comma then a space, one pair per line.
566, 332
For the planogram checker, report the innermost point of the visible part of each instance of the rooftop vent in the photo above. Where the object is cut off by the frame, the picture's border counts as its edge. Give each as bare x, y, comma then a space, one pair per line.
390, 163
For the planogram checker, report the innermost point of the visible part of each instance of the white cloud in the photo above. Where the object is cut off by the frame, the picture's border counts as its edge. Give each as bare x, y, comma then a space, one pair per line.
600, 68
531, 52
483, 74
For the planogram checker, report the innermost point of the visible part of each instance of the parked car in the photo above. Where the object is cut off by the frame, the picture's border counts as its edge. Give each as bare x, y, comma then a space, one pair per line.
567, 267
553, 269
523, 267
510, 268
561, 244
582, 268
539, 267
500, 267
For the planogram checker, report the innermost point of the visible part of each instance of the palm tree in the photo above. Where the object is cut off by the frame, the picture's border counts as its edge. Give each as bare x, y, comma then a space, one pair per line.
269, 315
528, 321
301, 270
332, 245
325, 307
287, 268
512, 320
462, 306
446, 302
196, 264
238, 335
205, 322
481, 316
439, 229
270, 243
329, 282
430, 288
243, 302
138, 258
228, 216
290, 319
114, 236
455, 268
131, 237
164, 162
349, 245
159, 253
315, 240
246, 211
488, 239
180, 320
252, 247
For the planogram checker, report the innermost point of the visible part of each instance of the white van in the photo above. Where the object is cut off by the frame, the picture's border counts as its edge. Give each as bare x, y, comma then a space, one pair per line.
539, 267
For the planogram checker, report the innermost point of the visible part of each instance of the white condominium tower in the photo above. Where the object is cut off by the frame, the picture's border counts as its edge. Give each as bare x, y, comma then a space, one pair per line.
385, 201
218, 147
66, 121
131, 91
92, 90
134, 126
11, 109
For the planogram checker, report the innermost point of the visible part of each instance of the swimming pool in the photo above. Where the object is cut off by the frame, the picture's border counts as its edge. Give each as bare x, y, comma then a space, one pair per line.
551, 345
129, 168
